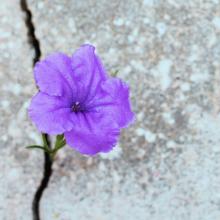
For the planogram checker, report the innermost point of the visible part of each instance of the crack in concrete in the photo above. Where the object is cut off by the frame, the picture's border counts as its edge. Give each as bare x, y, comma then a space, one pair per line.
35, 43
32, 39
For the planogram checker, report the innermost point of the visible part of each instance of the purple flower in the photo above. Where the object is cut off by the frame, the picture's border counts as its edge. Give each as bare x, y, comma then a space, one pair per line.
78, 99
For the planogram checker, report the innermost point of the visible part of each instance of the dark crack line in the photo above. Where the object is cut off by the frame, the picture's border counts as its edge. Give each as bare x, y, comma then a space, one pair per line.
32, 39
34, 42
43, 185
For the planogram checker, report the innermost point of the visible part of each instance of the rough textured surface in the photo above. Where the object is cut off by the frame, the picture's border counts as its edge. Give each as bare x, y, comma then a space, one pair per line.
20, 169
167, 164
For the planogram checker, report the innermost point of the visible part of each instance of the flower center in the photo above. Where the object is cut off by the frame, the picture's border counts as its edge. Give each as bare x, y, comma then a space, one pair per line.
76, 107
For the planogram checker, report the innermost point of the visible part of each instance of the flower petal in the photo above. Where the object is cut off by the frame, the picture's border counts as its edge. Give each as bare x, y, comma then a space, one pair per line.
113, 99
88, 70
92, 134
51, 114
54, 73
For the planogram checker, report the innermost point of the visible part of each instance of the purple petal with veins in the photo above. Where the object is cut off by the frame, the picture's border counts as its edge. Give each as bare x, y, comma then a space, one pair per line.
78, 99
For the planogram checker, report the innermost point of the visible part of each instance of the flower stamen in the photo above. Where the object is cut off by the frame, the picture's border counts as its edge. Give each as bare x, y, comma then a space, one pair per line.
76, 107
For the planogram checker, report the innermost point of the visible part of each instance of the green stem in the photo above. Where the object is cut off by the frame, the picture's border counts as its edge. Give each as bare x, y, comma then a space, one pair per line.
60, 143
44, 138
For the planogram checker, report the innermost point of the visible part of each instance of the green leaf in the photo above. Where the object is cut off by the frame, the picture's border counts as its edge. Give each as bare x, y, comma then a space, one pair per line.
60, 137
44, 140
114, 73
60, 142
60, 145
38, 147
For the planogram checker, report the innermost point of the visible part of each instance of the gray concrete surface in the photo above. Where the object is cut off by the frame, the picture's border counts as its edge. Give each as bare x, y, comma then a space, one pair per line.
167, 164
20, 169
